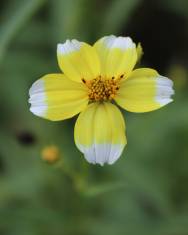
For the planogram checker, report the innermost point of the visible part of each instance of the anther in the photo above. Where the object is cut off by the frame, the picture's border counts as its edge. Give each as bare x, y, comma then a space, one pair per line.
122, 76
83, 80
100, 89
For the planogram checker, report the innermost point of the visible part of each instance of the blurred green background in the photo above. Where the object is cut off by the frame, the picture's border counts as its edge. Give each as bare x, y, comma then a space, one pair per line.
146, 191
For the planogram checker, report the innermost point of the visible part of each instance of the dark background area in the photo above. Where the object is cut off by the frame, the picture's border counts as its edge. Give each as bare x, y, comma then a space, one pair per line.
145, 191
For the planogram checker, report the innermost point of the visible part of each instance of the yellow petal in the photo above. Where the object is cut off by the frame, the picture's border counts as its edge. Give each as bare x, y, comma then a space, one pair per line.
78, 60
145, 90
100, 133
118, 55
55, 97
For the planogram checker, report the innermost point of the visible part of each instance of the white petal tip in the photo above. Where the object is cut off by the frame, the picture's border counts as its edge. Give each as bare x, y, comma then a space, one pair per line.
37, 98
38, 110
119, 42
37, 87
102, 153
164, 90
68, 46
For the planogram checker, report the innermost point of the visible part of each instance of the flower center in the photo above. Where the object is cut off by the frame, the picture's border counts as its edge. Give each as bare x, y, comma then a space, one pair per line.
102, 89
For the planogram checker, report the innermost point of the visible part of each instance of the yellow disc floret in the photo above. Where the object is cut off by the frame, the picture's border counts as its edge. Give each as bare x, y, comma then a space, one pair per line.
50, 154
102, 89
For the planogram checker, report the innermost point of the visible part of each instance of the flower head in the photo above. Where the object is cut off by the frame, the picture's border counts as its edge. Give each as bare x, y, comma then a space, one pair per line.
50, 154
93, 79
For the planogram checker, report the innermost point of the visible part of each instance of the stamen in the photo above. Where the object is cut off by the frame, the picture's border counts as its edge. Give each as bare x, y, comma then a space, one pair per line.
102, 89
83, 80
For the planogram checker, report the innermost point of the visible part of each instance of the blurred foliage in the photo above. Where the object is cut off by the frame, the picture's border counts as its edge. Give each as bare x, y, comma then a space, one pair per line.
145, 192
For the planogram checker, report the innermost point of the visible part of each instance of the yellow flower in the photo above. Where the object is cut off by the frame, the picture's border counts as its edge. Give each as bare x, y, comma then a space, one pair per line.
93, 78
50, 154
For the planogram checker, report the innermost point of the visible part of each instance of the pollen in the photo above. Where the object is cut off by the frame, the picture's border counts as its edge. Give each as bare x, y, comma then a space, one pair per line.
102, 89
